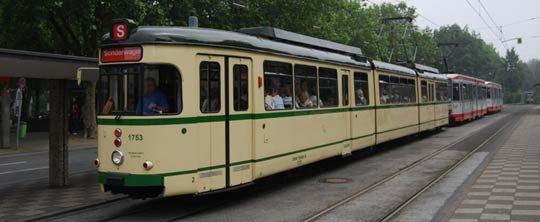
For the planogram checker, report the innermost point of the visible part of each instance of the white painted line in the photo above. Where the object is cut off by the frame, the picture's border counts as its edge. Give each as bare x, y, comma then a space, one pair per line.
14, 163
24, 170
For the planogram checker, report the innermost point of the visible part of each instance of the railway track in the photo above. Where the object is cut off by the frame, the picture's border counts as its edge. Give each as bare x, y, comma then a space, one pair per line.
506, 123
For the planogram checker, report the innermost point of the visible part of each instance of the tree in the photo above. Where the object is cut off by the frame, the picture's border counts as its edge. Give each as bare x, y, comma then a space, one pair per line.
514, 73
473, 56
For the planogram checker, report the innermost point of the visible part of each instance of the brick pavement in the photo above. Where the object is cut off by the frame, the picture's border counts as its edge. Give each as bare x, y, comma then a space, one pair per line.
509, 188
23, 201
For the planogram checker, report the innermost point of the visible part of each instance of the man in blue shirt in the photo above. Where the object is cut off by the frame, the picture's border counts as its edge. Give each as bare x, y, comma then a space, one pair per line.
154, 101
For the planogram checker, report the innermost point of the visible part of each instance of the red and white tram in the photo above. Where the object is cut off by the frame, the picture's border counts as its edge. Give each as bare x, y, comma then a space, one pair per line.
494, 98
468, 98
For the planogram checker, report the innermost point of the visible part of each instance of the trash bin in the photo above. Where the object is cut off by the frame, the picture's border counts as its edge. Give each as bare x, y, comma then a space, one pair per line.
22, 129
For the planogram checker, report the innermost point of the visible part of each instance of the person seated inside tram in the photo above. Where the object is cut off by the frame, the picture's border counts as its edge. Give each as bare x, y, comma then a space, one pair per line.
154, 101
361, 99
287, 97
303, 100
396, 98
384, 97
268, 100
278, 101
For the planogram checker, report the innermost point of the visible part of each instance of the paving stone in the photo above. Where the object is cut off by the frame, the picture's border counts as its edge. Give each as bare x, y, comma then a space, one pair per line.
515, 194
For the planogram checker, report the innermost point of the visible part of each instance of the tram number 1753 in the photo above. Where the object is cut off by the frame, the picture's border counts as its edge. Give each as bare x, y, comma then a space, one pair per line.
135, 137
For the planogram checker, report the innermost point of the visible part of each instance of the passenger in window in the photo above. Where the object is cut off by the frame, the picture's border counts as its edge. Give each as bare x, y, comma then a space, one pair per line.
154, 101
361, 99
303, 101
396, 96
313, 99
287, 97
268, 101
384, 97
278, 101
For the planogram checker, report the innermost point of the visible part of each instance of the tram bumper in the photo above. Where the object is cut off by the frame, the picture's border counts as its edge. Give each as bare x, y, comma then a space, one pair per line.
134, 185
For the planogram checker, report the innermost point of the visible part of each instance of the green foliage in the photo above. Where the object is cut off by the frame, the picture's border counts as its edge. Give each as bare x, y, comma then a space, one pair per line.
472, 56
76, 27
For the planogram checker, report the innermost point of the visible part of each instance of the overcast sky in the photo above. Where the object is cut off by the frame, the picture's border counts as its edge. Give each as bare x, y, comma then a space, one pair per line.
519, 18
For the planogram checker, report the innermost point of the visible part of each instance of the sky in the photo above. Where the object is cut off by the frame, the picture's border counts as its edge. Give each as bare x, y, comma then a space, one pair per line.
518, 18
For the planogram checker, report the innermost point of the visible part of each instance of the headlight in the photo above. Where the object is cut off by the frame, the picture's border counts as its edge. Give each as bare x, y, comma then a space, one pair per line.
117, 157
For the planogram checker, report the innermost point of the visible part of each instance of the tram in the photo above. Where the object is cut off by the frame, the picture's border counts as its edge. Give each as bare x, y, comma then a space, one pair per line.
468, 98
192, 110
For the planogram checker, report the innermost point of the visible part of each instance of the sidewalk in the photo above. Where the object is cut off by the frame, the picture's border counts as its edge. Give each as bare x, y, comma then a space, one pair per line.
39, 141
509, 188
31, 200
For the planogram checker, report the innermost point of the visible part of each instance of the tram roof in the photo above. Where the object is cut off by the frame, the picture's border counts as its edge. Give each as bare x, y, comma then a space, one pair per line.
465, 77
393, 67
228, 39
425, 69
429, 75
302, 40
497, 85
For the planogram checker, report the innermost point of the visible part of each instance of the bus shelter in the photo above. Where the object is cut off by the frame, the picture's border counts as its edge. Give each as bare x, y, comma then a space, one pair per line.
57, 70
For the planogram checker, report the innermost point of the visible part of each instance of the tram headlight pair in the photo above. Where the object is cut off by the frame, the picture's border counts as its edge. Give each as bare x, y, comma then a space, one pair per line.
117, 157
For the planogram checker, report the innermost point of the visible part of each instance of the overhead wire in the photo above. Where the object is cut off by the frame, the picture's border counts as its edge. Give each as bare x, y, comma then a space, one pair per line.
513, 23
487, 24
494, 23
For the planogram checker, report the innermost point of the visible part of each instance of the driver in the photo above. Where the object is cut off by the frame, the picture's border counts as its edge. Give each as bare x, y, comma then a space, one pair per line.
154, 101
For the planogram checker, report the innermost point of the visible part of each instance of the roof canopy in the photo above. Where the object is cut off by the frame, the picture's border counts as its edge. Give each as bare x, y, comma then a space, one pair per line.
16, 63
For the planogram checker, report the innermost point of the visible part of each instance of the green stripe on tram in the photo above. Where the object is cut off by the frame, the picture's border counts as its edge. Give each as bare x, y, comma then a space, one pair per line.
236, 117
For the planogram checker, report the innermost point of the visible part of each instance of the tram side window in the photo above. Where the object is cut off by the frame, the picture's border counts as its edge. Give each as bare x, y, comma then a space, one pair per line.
424, 91
345, 90
361, 89
395, 96
455, 92
442, 92
404, 90
305, 80
466, 92
241, 93
328, 87
384, 88
277, 85
412, 90
210, 87
431, 92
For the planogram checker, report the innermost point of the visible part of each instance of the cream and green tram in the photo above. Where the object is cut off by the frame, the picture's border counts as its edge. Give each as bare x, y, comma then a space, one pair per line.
193, 110
433, 101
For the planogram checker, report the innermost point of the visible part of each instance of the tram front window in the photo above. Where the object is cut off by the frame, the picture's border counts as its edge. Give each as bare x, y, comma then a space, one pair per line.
139, 90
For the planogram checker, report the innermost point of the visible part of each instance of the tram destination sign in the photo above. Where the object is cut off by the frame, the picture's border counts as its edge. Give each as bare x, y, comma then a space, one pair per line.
121, 54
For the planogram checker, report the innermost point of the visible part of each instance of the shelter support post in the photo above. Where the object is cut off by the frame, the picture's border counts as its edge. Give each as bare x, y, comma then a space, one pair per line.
4, 121
58, 138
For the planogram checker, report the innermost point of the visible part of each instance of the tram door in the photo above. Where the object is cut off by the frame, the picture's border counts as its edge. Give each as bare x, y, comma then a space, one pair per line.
212, 143
239, 125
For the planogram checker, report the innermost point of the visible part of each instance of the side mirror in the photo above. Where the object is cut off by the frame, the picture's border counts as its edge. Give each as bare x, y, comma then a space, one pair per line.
87, 74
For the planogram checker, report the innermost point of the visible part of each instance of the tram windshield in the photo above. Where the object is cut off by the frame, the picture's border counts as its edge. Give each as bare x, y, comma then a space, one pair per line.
139, 90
